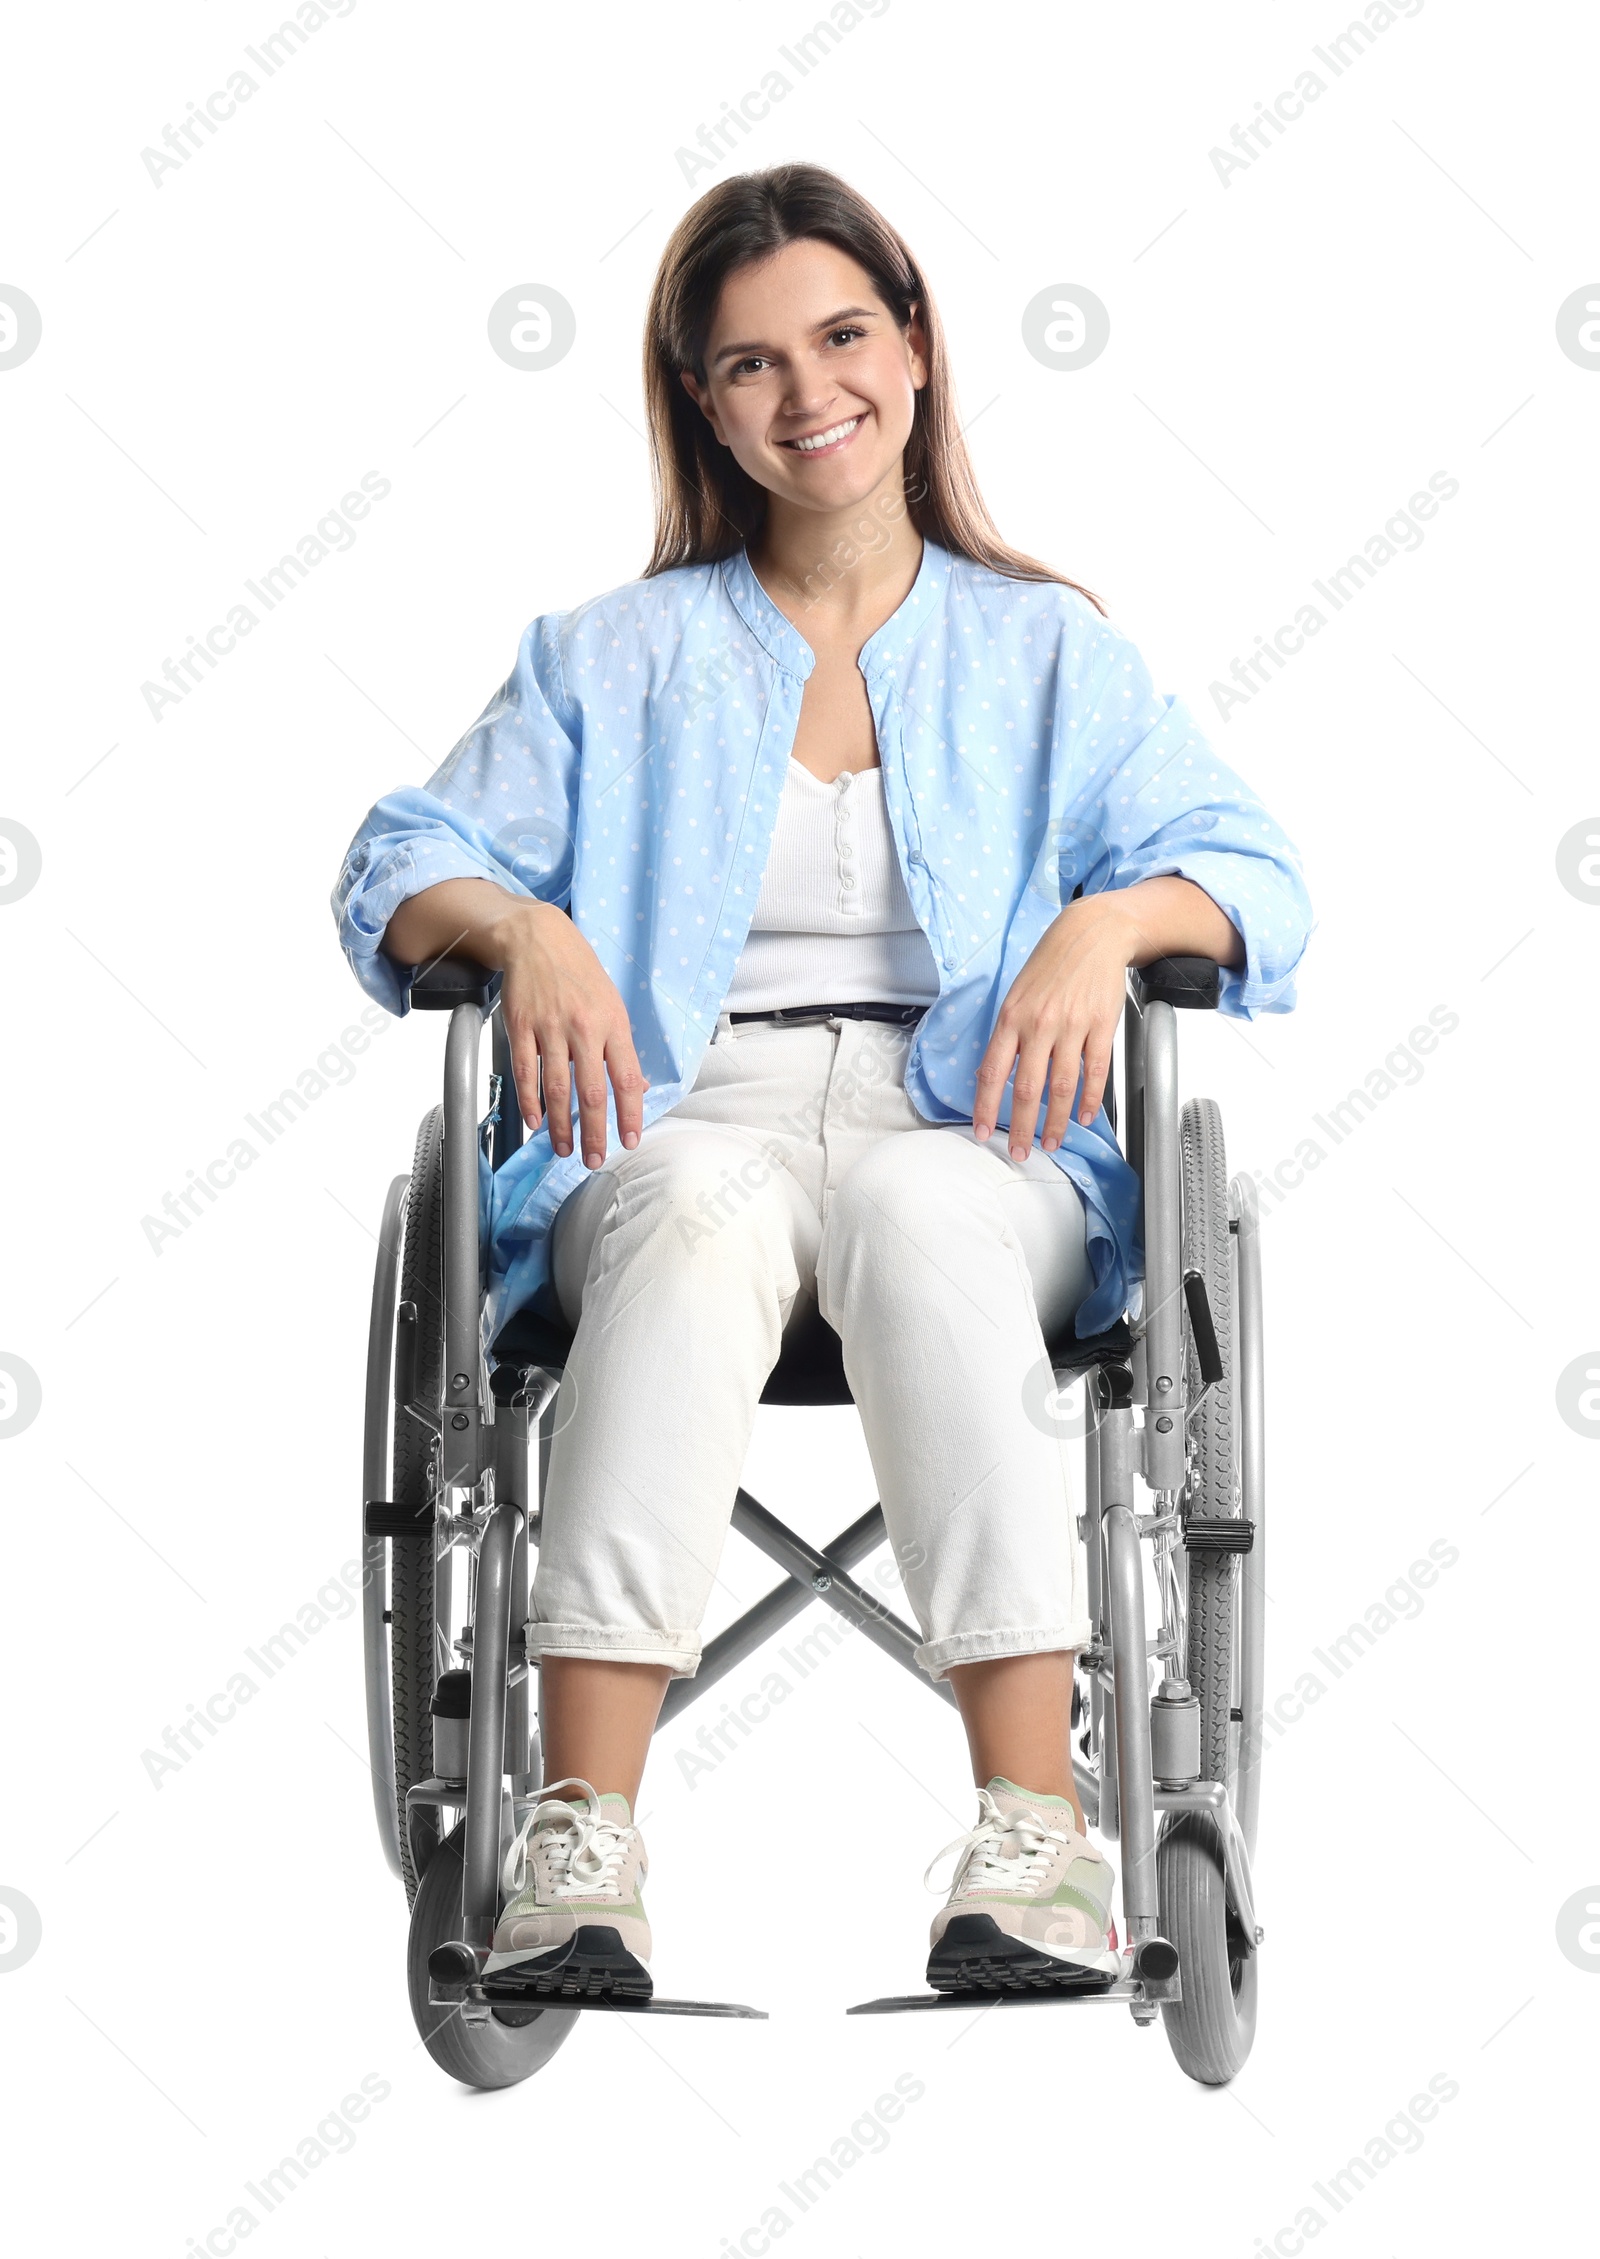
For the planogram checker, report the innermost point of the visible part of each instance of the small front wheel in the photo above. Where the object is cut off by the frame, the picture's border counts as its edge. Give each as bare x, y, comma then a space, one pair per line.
1212, 2027
515, 2042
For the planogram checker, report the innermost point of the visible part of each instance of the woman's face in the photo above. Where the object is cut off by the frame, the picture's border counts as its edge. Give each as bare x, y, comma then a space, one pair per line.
802, 348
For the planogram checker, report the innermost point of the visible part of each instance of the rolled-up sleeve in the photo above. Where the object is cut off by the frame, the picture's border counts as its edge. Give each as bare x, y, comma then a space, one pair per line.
1142, 794
502, 807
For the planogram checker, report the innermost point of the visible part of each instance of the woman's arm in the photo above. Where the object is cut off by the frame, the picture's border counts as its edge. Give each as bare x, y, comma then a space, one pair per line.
1066, 1003
558, 1003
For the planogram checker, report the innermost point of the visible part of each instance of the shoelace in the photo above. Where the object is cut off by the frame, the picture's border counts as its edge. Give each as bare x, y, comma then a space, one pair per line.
983, 1862
586, 1856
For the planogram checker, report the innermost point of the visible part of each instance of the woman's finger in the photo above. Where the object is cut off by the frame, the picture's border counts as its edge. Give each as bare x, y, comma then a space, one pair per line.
1096, 1067
557, 1090
589, 1077
1033, 1068
628, 1082
993, 1069
525, 1073
1064, 1069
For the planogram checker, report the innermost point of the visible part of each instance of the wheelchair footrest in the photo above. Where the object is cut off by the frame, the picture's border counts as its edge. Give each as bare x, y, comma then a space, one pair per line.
1124, 1989
608, 1978
508, 1996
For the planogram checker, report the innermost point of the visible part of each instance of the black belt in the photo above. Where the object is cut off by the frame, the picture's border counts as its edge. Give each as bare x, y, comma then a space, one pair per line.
800, 1015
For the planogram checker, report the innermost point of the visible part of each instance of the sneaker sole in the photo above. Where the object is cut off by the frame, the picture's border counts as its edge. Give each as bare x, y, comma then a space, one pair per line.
976, 1955
596, 1965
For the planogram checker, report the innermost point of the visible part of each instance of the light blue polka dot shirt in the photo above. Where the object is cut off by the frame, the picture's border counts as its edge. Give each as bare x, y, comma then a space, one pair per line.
630, 770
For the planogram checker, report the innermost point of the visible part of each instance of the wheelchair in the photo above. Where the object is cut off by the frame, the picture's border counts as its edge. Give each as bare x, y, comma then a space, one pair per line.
1166, 1729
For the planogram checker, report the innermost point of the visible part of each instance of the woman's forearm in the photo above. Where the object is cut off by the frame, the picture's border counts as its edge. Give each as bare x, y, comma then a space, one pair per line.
567, 1024
1169, 917
464, 917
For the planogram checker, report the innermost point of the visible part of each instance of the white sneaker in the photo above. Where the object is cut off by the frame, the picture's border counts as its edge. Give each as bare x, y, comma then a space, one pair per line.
1030, 1902
575, 1926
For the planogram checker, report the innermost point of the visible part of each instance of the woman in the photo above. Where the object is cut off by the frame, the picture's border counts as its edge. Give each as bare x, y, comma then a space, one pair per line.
841, 755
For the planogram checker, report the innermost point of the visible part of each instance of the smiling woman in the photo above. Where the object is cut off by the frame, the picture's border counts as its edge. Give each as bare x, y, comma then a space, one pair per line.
825, 844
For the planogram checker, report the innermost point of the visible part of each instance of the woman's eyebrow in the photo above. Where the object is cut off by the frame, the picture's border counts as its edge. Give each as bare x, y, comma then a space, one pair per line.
757, 345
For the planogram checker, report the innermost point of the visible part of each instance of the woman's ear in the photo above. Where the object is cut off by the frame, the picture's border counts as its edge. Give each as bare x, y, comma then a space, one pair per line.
917, 346
702, 400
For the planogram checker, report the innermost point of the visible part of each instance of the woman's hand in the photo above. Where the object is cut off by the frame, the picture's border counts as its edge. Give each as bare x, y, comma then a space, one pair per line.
1064, 1006
558, 1004
561, 1007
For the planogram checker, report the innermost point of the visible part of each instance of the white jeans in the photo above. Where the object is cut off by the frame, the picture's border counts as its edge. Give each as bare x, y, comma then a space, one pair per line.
797, 1167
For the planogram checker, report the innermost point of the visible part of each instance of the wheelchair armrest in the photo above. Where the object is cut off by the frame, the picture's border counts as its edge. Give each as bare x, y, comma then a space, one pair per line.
1193, 984
450, 981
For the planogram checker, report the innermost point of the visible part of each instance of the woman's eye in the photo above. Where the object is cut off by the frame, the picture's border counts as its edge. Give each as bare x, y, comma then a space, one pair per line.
848, 330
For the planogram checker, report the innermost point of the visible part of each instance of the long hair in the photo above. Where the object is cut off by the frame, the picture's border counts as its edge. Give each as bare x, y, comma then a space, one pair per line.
706, 506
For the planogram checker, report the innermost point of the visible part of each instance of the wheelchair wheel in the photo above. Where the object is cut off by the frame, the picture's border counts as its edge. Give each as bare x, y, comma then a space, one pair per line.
515, 2042
419, 1591
1212, 2027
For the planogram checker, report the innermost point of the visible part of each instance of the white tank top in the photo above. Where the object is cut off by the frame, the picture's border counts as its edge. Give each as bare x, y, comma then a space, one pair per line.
833, 922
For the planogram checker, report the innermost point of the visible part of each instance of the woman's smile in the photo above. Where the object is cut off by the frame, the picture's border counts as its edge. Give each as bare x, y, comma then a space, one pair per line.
832, 440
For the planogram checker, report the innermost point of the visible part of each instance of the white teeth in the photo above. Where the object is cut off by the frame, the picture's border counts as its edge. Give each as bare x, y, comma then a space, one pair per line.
824, 438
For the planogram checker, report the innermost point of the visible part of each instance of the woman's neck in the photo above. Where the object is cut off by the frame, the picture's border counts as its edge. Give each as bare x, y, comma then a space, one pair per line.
837, 571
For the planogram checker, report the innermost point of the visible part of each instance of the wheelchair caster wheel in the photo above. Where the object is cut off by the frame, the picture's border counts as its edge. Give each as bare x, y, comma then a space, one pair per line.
482, 2044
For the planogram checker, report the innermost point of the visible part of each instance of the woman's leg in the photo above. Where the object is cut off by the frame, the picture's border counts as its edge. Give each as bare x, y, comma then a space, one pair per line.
681, 1287
598, 1719
1017, 1710
942, 1266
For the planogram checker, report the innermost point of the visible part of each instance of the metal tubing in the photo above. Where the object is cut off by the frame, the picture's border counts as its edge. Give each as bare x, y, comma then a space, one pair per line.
509, 1130
375, 1486
842, 1593
1131, 1698
1129, 1674
1133, 1080
486, 1746
1253, 1487
758, 1624
509, 1436
462, 1262
1101, 1738
1162, 1190
519, 1707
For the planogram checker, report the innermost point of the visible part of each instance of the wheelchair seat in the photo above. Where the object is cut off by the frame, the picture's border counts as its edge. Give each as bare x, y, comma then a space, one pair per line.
810, 1368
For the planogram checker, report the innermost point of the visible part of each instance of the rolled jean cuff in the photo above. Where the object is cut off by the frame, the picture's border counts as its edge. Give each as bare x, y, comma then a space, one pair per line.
937, 1655
626, 1643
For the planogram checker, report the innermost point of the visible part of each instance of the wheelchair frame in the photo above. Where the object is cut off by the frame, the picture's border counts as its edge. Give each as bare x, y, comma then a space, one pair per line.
484, 1428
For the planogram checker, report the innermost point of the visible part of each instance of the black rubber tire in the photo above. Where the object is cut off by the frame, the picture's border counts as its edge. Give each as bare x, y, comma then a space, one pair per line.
515, 2042
1211, 2029
1213, 1484
414, 1581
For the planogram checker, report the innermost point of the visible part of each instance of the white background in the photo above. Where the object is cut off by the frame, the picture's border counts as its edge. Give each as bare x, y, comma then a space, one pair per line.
1292, 355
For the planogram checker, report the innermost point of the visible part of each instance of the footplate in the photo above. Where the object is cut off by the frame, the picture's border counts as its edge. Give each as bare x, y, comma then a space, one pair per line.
1152, 1979
452, 1984
1137, 1991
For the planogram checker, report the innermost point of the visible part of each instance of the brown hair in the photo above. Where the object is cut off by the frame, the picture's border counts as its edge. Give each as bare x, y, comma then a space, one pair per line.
707, 507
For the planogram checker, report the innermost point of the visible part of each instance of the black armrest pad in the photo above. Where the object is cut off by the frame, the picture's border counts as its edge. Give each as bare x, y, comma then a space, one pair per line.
1193, 984
450, 981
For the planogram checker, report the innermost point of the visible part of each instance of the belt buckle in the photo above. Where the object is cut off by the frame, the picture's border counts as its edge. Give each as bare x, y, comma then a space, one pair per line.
801, 1015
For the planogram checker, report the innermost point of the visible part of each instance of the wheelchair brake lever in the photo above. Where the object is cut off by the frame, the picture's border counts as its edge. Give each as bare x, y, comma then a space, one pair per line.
1205, 1391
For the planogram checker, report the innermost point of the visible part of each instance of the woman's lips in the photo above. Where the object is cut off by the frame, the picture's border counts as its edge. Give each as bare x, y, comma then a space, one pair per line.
834, 446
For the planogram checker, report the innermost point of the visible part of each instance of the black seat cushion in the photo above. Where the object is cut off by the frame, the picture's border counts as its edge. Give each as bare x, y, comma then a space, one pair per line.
810, 1369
